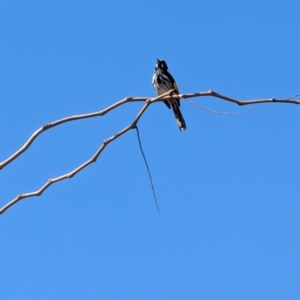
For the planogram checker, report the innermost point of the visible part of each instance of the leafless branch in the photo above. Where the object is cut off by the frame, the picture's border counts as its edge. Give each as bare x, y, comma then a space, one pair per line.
140, 99
88, 162
240, 102
148, 101
65, 120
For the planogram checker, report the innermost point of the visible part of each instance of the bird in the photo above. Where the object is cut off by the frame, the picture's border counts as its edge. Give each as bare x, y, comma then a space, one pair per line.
163, 82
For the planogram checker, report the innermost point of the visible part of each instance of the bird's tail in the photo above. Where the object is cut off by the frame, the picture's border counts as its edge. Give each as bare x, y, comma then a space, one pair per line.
179, 118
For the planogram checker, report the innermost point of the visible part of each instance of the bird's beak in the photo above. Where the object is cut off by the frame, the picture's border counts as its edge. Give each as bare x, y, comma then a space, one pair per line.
157, 60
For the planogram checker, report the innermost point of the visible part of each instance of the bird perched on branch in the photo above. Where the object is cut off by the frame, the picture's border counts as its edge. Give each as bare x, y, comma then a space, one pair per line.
163, 82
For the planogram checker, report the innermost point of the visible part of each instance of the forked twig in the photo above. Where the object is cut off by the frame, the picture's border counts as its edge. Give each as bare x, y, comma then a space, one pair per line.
88, 162
148, 101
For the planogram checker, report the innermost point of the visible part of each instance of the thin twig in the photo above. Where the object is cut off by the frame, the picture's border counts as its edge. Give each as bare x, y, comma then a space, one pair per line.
148, 169
217, 112
292, 97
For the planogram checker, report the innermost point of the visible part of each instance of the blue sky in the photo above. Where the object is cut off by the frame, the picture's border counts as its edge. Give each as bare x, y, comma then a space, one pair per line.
227, 187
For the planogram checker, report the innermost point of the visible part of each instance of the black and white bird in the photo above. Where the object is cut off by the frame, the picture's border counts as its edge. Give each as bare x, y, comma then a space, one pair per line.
163, 82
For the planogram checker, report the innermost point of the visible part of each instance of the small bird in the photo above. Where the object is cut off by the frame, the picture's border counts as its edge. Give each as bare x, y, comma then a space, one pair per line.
163, 82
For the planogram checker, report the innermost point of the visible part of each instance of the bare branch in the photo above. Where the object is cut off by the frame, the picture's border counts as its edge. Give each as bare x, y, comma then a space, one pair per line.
239, 102
167, 96
65, 120
88, 162
148, 101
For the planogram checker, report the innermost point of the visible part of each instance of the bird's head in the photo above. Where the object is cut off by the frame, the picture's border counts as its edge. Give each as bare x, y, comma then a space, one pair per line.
161, 64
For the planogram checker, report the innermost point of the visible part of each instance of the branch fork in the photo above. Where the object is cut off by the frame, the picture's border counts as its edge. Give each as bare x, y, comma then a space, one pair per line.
147, 102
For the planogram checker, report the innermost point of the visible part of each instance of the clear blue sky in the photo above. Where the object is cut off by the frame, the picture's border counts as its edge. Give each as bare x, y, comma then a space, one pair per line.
228, 187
